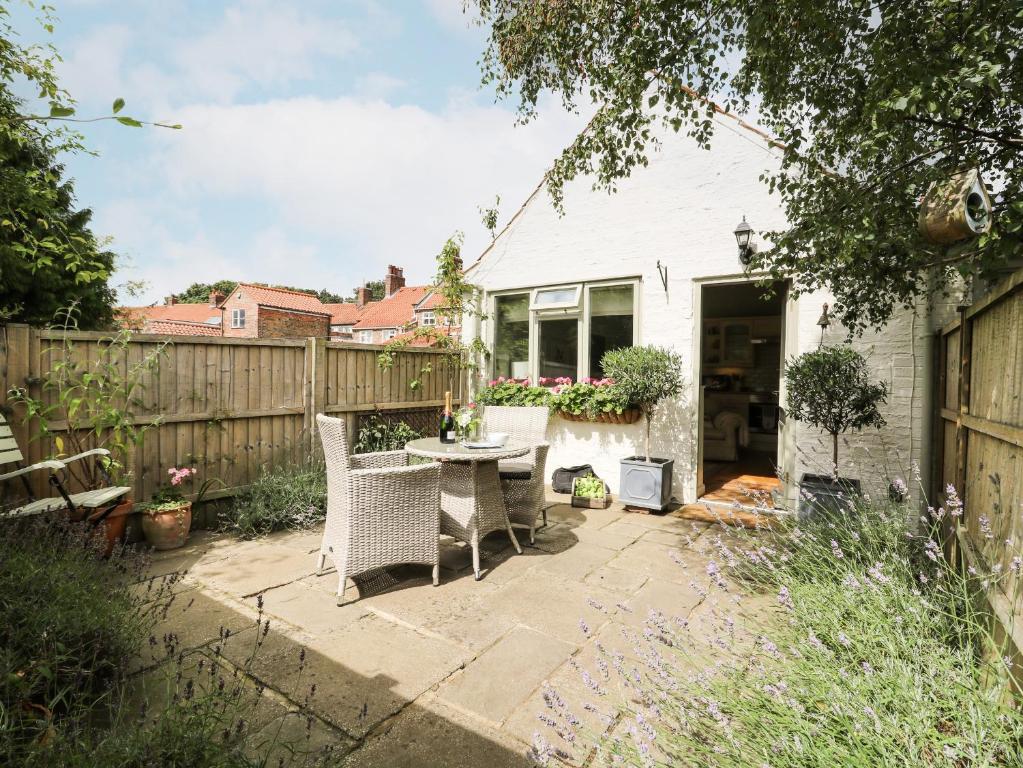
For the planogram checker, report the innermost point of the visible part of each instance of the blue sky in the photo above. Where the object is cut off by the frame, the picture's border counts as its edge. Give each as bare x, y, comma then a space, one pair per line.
322, 140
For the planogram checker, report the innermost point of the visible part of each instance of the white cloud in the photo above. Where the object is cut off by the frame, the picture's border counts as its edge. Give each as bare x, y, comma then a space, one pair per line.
392, 181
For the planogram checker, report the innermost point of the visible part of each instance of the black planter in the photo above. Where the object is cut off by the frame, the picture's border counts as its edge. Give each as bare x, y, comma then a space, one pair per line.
825, 494
646, 484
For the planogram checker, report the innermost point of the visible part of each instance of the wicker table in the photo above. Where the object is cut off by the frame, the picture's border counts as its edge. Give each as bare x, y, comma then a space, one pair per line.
470, 490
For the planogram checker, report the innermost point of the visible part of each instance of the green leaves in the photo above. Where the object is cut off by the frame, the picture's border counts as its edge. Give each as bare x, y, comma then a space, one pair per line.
118, 105
872, 102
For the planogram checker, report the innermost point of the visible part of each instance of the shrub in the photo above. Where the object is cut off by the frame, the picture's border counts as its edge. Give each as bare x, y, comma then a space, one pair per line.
377, 435
828, 389
514, 392
870, 651
287, 497
644, 376
68, 626
590, 398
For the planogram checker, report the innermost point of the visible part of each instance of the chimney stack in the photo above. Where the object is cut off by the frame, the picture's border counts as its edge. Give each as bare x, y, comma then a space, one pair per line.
394, 280
362, 295
169, 300
216, 298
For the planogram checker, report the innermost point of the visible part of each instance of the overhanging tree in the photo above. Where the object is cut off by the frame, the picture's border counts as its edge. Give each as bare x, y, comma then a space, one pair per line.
871, 101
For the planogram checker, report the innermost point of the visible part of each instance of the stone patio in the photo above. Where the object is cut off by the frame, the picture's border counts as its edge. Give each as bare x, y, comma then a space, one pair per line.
411, 674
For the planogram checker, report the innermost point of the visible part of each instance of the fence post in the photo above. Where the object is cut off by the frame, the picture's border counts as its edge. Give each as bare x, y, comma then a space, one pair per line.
962, 433
314, 387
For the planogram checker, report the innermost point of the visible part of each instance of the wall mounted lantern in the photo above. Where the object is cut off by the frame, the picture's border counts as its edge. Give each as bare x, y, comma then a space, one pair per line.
743, 235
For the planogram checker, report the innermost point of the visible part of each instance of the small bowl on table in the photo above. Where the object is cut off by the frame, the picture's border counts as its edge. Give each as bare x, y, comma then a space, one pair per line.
497, 439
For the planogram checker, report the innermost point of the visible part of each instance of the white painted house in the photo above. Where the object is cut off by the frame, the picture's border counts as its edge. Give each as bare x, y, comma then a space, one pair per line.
559, 290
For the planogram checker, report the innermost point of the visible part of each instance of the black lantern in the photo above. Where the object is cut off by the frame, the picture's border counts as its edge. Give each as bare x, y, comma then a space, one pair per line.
743, 234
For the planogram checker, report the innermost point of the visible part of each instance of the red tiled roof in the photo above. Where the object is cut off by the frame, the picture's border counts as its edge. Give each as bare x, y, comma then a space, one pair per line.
183, 313
432, 301
427, 341
282, 298
344, 314
180, 328
395, 311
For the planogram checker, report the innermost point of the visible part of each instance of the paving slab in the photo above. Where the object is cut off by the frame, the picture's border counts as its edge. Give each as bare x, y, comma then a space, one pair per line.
249, 570
653, 560
429, 734
609, 536
661, 596
307, 608
187, 621
364, 672
579, 516
617, 580
494, 685
578, 562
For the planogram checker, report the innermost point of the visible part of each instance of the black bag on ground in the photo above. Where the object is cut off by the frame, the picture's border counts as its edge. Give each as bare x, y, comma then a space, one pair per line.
561, 480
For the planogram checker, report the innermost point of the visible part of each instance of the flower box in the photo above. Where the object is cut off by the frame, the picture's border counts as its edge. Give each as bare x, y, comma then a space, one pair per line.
630, 416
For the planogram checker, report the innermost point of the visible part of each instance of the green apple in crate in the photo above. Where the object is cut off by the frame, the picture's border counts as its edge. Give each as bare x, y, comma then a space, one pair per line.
590, 492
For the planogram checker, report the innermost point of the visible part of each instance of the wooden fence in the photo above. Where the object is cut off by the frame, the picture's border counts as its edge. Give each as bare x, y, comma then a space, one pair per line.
229, 407
979, 439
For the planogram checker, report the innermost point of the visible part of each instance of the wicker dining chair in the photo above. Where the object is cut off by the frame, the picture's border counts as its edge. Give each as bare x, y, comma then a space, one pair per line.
380, 511
522, 480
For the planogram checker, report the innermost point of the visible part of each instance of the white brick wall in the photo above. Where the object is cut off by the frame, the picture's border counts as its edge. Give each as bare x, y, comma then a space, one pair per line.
682, 210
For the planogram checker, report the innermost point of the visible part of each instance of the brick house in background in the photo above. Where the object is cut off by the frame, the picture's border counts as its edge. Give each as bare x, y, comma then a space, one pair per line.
174, 318
401, 311
260, 312
344, 316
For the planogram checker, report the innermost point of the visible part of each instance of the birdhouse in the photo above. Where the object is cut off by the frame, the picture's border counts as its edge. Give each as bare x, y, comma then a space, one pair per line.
955, 209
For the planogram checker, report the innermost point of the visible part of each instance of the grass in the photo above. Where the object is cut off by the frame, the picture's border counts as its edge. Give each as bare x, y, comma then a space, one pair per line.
876, 653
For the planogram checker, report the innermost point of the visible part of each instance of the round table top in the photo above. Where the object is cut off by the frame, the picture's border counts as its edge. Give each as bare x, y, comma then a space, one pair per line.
433, 448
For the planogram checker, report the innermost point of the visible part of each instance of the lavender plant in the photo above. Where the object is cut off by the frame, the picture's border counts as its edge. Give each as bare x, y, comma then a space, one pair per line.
847, 641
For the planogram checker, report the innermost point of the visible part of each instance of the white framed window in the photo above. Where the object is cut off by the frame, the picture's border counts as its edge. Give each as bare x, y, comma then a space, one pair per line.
562, 331
237, 318
390, 333
366, 337
564, 297
428, 318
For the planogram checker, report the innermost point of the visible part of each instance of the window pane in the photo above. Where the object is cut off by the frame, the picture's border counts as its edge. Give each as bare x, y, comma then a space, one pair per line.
557, 296
611, 312
511, 336
559, 344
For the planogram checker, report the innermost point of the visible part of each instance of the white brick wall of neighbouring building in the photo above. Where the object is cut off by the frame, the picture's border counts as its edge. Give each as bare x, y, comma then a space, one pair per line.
681, 210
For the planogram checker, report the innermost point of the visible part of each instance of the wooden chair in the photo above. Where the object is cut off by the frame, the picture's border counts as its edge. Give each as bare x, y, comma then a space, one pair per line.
93, 504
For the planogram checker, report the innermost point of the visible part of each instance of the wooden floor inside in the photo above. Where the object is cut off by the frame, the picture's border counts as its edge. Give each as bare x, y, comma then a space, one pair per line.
736, 492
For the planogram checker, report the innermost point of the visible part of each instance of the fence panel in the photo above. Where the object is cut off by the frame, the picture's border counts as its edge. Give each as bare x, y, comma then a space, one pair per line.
229, 407
980, 394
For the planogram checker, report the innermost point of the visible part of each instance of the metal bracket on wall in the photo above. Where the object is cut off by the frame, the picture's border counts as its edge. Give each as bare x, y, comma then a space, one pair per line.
663, 271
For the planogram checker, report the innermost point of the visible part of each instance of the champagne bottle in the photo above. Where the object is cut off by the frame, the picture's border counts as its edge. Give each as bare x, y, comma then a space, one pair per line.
447, 421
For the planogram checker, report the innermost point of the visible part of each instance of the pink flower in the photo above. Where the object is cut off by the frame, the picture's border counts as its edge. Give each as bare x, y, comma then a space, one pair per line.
178, 476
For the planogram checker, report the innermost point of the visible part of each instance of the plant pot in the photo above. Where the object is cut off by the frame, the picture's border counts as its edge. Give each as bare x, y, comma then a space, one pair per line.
114, 524
646, 484
167, 528
825, 494
625, 417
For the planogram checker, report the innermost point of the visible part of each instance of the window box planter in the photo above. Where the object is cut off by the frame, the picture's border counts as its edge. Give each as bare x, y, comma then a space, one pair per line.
630, 416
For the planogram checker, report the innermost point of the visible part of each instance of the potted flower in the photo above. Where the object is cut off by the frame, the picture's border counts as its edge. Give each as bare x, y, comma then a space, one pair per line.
829, 389
167, 518
467, 422
590, 492
644, 377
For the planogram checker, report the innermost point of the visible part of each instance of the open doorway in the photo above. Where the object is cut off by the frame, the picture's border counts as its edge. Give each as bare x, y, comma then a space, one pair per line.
742, 332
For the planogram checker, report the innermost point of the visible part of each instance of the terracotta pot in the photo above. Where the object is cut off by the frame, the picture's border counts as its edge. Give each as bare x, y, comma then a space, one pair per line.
168, 528
114, 524
630, 416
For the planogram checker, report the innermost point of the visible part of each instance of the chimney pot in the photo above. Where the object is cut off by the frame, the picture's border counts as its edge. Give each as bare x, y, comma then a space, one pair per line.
169, 300
362, 295
394, 280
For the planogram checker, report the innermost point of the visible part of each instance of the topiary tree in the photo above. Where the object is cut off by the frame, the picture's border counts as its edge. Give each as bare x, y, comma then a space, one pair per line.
828, 389
645, 376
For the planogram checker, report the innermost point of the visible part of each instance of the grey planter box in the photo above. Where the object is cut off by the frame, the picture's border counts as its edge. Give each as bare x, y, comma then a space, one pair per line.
831, 495
646, 484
